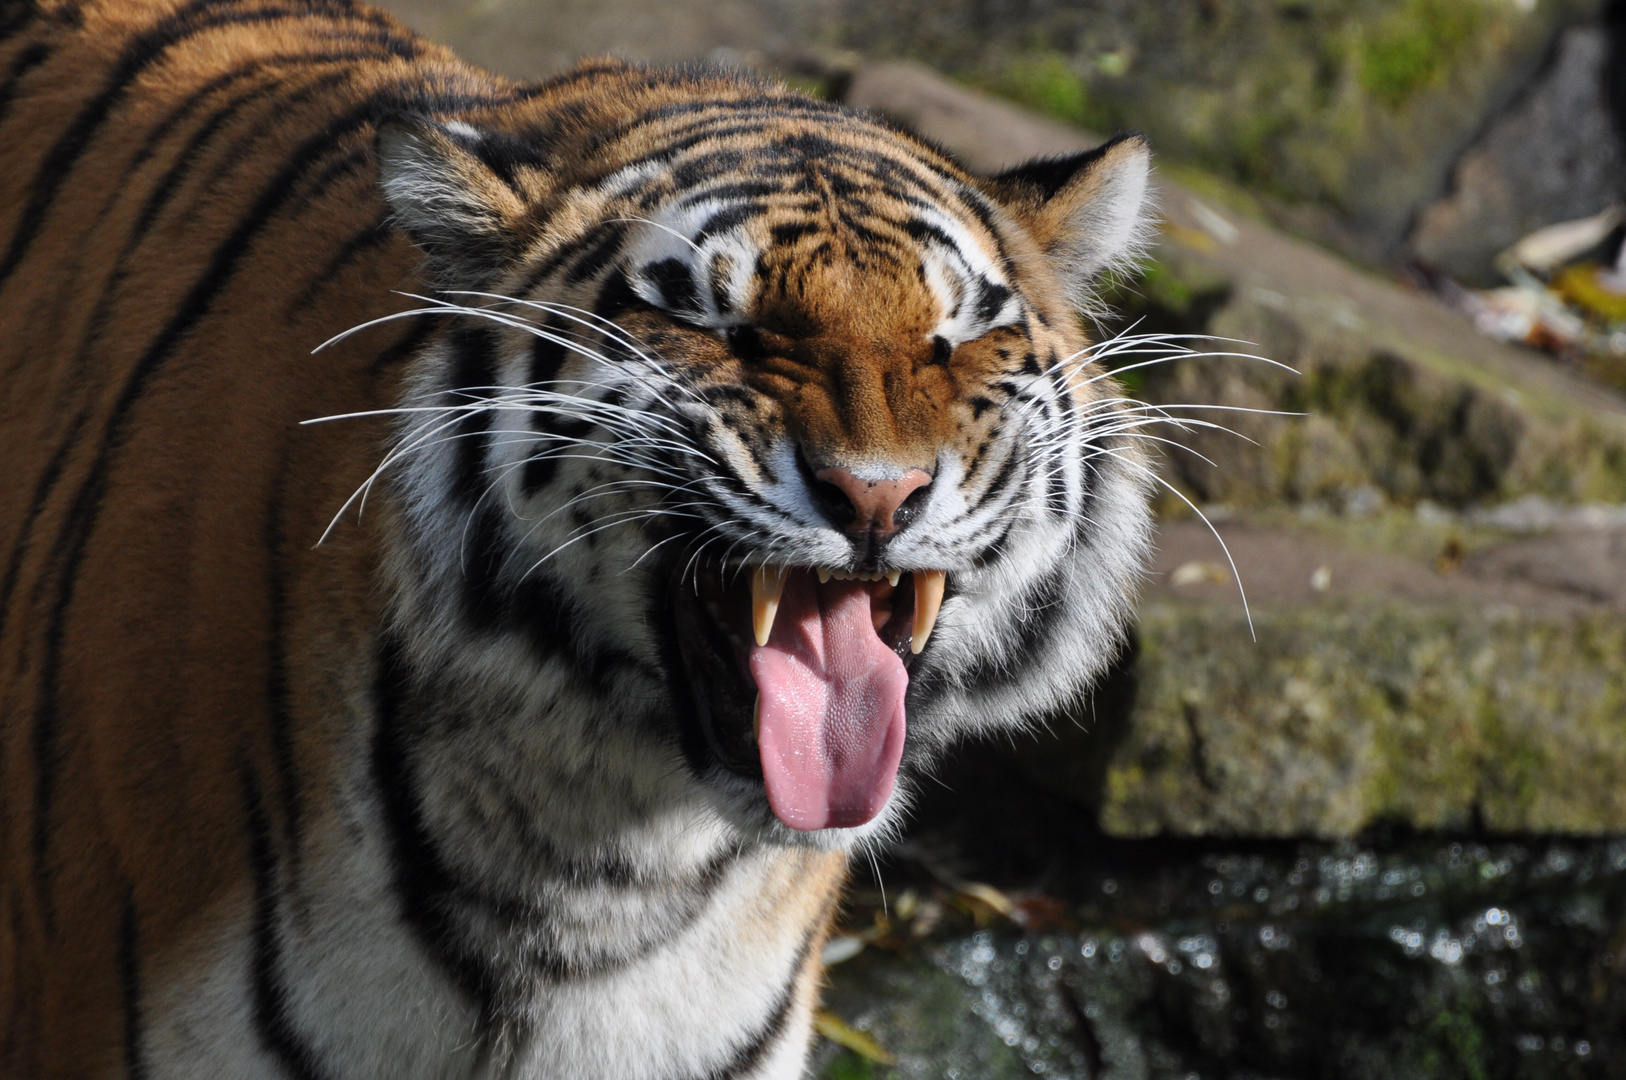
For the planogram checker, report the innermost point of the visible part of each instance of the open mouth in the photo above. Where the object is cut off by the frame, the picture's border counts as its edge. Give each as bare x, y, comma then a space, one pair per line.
798, 675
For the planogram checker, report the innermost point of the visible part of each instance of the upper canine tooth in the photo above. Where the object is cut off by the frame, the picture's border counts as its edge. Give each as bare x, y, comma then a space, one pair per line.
767, 586
928, 601
824, 574
892, 577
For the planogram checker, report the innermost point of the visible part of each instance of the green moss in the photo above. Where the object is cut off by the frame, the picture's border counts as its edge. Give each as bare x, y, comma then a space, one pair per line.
1047, 81
1340, 717
1455, 1046
1414, 46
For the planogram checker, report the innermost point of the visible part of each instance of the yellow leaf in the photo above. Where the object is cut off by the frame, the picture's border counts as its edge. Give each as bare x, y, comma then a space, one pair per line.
841, 1033
989, 895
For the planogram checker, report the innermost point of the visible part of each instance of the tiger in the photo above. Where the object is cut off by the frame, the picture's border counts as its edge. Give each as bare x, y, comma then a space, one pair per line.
481, 556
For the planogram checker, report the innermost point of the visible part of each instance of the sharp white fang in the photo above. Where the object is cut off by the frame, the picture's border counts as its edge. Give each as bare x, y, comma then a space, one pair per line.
767, 586
892, 577
824, 575
928, 600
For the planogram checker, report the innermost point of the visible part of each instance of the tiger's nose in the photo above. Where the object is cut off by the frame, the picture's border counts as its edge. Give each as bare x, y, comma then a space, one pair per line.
872, 506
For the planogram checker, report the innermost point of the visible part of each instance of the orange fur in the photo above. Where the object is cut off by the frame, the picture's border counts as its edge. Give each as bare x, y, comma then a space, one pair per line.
188, 205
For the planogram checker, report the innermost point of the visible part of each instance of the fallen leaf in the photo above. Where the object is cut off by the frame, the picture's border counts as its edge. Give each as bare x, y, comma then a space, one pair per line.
1197, 573
841, 1033
1451, 558
989, 895
840, 948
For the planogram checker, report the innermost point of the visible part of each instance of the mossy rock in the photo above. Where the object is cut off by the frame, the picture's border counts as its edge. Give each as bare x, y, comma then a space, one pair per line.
1341, 717
1376, 408
1361, 105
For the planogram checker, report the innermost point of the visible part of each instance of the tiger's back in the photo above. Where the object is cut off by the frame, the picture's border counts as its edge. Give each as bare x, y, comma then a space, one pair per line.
167, 168
240, 793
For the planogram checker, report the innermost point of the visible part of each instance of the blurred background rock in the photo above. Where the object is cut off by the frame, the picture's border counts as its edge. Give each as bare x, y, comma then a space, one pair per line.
1397, 776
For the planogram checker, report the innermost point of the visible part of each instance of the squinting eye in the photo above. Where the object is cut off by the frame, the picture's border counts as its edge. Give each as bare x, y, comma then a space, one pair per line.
746, 343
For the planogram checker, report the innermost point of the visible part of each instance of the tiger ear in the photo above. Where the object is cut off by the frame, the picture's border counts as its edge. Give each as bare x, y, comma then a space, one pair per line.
1090, 211
446, 197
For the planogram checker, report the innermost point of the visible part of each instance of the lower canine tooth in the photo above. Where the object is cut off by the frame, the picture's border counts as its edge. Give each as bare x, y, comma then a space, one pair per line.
767, 586
928, 601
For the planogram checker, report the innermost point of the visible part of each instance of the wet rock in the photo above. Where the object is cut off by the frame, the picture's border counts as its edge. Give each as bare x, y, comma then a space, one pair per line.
1418, 958
922, 1013
1554, 156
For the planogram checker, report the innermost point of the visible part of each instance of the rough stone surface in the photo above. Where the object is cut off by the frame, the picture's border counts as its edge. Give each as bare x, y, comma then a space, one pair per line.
1554, 156
1436, 677
1362, 105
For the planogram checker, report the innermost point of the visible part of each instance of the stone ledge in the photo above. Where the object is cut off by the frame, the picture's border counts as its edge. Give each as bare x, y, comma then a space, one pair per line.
1350, 715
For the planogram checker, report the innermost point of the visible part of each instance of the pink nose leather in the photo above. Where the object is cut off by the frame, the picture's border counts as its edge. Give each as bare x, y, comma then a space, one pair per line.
875, 501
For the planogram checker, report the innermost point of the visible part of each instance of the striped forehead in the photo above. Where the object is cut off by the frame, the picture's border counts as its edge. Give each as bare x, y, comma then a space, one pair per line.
697, 250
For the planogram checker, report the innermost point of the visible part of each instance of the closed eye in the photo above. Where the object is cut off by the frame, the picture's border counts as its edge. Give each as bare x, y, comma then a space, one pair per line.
747, 344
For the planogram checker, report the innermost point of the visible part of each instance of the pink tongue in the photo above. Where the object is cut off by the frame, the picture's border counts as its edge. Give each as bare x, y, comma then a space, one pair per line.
832, 707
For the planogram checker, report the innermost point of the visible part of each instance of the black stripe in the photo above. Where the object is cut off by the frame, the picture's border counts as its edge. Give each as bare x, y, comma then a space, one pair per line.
998, 484
997, 548
1044, 605
990, 300
27, 60
550, 620
484, 598
278, 693
473, 372
80, 519
755, 1048
421, 879
557, 433
15, 15
42, 492
258, 66
165, 188
373, 236
146, 50
135, 1057
1089, 491
616, 296
160, 132
676, 285
709, 112
593, 260
272, 1022
408, 345
341, 168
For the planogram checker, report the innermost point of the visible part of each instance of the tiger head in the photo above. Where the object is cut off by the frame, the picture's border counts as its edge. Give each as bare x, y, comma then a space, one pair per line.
762, 453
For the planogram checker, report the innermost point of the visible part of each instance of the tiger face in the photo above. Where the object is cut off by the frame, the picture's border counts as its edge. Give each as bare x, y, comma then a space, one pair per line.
778, 427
